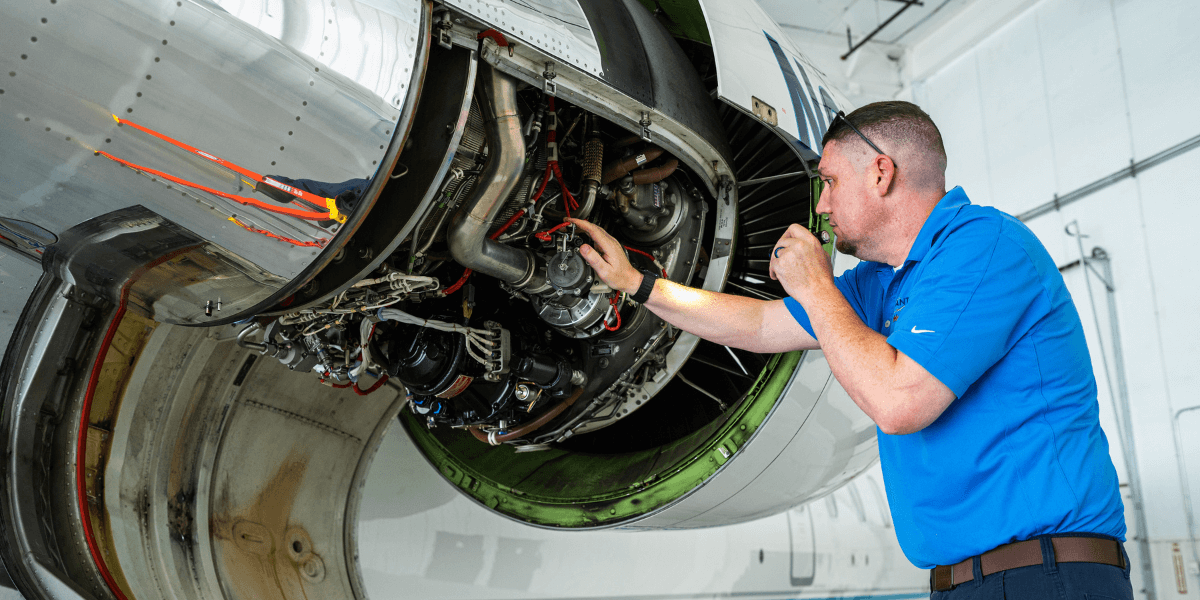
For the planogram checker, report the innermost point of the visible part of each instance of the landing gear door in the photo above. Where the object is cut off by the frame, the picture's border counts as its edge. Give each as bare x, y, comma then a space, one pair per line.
760, 72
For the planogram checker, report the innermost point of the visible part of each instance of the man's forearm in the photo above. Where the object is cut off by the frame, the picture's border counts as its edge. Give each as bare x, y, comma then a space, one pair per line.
862, 361
726, 319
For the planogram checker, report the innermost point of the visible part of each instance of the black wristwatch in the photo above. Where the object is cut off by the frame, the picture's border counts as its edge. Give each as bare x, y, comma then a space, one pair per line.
643, 293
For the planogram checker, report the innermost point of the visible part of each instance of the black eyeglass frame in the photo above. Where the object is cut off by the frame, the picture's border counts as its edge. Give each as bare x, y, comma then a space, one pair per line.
841, 114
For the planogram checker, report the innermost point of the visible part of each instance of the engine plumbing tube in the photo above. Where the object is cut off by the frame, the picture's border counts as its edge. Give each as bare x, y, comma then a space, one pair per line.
593, 166
533, 425
619, 168
468, 231
655, 174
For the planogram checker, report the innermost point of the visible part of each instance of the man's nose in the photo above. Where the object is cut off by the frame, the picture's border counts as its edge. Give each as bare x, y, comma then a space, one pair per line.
822, 204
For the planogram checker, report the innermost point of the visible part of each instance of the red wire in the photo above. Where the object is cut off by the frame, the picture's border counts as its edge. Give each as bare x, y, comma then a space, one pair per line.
360, 391
496, 234
647, 255
457, 284
316, 244
545, 235
568, 200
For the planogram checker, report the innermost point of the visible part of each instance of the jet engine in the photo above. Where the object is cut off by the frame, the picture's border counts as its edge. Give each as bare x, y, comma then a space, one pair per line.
307, 236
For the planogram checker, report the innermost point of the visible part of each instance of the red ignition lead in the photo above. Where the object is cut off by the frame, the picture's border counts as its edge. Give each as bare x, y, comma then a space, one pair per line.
616, 299
552, 167
649, 256
545, 235
329, 203
316, 244
357, 390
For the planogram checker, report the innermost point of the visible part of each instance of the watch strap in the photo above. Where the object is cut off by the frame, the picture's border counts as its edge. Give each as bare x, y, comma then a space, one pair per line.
643, 292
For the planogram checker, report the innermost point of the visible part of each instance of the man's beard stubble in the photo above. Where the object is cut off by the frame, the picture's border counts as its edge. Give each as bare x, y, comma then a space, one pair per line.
845, 247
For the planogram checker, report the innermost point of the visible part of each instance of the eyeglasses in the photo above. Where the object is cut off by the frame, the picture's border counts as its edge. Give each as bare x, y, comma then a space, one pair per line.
841, 114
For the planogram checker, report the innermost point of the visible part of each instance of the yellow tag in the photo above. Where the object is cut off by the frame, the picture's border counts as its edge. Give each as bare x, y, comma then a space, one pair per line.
331, 204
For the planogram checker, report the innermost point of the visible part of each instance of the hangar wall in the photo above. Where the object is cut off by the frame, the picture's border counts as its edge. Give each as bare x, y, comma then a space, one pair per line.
1049, 98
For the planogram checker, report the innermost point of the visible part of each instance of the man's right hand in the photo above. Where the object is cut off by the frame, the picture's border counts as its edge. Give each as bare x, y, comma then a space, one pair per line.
608, 258
736, 321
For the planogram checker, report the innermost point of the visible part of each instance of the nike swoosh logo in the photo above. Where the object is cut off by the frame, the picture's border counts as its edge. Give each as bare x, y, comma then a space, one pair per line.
915, 330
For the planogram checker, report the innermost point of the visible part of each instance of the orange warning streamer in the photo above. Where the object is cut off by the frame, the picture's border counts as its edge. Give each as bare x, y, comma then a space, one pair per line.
283, 210
329, 203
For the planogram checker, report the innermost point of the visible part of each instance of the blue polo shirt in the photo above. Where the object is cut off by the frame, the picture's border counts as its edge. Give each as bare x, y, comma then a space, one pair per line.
1019, 453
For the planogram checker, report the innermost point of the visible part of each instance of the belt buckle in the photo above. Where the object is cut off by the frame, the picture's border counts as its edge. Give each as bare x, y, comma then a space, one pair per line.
941, 578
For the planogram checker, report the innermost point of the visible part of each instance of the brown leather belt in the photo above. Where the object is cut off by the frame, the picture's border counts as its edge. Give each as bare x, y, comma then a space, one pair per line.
1028, 553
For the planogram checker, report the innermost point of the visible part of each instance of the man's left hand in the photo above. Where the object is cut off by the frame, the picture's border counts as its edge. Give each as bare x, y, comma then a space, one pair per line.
800, 263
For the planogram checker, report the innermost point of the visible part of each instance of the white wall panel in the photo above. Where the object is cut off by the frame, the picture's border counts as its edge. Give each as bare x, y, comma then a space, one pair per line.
953, 101
1172, 210
1016, 118
1082, 74
1161, 52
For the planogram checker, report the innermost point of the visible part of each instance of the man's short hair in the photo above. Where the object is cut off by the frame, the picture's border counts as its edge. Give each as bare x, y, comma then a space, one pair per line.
896, 126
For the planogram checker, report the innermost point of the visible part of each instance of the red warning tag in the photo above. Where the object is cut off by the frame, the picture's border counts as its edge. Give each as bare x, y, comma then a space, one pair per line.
460, 384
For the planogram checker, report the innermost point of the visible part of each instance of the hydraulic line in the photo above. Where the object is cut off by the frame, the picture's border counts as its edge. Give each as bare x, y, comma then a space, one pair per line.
496, 439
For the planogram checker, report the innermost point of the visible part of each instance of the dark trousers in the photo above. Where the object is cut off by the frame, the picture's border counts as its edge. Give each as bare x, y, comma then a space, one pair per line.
1047, 581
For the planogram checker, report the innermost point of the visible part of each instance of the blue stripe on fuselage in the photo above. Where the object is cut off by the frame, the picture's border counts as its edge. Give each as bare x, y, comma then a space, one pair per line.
793, 84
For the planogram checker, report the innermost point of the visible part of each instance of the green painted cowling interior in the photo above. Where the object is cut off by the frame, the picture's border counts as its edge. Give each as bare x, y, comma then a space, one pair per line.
682, 18
574, 490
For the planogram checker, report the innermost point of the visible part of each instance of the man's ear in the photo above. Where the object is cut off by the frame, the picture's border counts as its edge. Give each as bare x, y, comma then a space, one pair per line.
885, 173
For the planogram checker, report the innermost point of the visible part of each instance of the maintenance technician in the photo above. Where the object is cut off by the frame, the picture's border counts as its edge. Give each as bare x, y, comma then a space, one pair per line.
957, 336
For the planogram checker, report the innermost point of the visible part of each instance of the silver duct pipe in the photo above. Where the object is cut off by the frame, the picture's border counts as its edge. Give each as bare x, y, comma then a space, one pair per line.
468, 231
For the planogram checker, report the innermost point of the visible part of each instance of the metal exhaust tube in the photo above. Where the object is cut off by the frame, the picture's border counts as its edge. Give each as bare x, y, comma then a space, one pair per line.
468, 231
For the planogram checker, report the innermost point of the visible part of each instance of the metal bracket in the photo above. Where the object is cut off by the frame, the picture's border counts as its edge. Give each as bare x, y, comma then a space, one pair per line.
726, 186
645, 123
548, 86
444, 25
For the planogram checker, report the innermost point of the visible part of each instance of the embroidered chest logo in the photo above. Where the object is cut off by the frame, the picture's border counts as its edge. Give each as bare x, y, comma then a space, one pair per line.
900, 304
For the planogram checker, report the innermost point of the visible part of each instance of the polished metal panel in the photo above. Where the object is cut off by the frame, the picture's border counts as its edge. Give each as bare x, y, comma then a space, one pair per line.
39, 538
299, 89
557, 27
236, 478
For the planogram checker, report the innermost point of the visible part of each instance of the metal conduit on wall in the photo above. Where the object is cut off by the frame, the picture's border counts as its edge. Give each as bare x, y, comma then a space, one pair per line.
1131, 171
1118, 393
1185, 486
